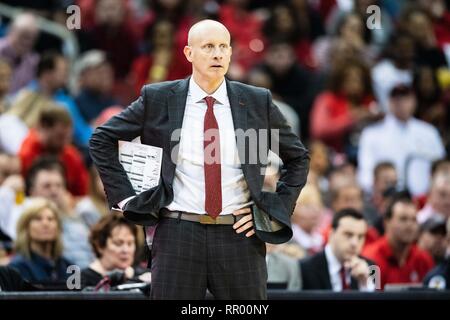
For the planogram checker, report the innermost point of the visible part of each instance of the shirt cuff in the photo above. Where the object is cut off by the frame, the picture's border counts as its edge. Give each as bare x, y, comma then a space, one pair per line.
122, 203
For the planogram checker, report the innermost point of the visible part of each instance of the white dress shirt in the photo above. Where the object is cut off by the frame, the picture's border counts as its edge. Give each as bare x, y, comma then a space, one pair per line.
411, 146
189, 180
334, 269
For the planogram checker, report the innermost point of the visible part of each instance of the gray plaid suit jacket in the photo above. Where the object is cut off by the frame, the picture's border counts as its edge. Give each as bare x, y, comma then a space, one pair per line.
159, 111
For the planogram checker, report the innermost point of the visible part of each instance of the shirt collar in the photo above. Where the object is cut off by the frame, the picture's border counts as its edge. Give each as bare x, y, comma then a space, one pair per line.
393, 121
198, 94
334, 266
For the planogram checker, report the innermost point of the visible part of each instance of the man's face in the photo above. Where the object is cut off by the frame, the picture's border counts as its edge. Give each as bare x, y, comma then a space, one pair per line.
435, 244
384, 179
55, 138
348, 238
209, 52
403, 106
48, 184
402, 227
99, 79
349, 197
440, 197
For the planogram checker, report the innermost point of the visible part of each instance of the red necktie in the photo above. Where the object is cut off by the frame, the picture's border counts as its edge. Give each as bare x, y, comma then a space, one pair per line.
212, 168
345, 285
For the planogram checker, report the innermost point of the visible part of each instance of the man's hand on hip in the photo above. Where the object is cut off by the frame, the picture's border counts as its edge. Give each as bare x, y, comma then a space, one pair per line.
245, 223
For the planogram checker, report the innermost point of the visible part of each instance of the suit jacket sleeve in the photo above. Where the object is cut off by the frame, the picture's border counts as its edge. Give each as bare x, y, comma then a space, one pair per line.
104, 149
294, 155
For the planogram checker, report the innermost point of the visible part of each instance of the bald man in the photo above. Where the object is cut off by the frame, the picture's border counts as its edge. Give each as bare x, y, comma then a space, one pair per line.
209, 218
16, 49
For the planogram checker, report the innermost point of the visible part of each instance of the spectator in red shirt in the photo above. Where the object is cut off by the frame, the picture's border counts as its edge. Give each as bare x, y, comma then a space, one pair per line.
399, 259
246, 31
345, 107
52, 137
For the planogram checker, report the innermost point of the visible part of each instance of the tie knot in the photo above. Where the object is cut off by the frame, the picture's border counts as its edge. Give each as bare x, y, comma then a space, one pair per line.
210, 101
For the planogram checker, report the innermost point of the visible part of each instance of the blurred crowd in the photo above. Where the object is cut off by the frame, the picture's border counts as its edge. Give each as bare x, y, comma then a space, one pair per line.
366, 88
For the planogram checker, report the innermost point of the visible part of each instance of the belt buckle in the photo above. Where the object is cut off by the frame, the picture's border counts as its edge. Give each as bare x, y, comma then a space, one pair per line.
206, 219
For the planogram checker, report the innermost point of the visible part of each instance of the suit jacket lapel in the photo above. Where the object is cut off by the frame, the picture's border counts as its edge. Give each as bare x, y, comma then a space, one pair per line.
325, 274
176, 104
238, 106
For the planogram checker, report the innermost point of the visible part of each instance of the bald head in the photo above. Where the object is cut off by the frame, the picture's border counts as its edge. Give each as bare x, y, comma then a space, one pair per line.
25, 21
209, 52
23, 33
202, 28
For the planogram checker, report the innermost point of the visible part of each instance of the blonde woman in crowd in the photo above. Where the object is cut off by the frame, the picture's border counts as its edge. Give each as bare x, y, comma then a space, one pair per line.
39, 245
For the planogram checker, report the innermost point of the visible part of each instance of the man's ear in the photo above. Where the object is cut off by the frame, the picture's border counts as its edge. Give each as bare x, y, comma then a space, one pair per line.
188, 53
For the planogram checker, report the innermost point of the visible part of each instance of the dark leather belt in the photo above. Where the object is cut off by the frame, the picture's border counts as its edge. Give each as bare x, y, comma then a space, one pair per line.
200, 218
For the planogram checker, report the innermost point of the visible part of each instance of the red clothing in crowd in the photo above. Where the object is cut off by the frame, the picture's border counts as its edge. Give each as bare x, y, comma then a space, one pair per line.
245, 29
76, 173
304, 55
442, 29
331, 119
416, 266
325, 7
